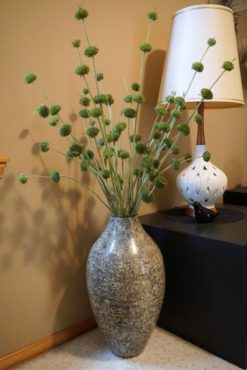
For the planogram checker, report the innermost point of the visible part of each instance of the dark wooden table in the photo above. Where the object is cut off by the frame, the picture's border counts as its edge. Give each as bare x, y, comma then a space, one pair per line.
206, 279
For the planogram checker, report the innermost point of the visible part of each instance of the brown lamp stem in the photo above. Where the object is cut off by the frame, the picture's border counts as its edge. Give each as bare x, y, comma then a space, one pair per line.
200, 131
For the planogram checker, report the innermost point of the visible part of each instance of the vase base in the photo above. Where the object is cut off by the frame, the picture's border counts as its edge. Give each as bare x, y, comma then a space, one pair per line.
127, 352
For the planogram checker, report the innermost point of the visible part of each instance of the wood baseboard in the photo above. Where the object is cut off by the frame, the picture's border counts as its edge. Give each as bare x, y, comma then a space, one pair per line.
46, 344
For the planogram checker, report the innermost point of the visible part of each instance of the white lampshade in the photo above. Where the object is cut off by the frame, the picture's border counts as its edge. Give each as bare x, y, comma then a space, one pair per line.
191, 28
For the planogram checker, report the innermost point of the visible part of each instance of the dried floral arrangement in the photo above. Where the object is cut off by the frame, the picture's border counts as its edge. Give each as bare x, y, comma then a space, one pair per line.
127, 175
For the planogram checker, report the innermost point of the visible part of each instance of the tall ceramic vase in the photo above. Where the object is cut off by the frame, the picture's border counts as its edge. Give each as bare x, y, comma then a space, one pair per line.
126, 281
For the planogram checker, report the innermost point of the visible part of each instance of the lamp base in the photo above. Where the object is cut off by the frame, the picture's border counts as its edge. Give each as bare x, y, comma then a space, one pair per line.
201, 181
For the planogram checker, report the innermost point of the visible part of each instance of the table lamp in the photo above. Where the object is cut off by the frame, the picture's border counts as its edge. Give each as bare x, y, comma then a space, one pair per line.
191, 28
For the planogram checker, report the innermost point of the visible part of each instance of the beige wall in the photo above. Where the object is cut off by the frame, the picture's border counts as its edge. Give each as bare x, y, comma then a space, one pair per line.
46, 230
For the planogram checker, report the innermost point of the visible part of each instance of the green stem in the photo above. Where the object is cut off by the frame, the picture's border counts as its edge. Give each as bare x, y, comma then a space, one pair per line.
85, 32
149, 30
217, 79
86, 187
194, 75
113, 172
142, 68
75, 180
79, 55
42, 94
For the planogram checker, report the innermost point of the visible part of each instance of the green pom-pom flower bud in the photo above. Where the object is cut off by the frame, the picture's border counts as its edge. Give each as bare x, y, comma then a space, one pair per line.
228, 66
99, 76
109, 138
110, 99
88, 154
153, 16
100, 99
188, 157
141, 148
163, 126
123, 154
44, 147
85, 101
135, 86
120, 126
22, 178
55, 109
138, 172
135, 138
84, 113
91, 51
76, 43
176, 164
206, 156
168, 142
85, 90
43, 111
170, 99
206, 94
129, 112
176, 113
82, 70
77, 149
156, 135
106, 121
69, 156
145, 47
92, 132
114, 136
147, 162
197, 66
175, 150
53, 121
84, 164
184, 128
156, 163
146, 197
211, 41
180, 101
108, 153
128, 99
198, 118
138, 98
81, 14
29, 78
96, 112
151, 176
105, 174
55, 176
161, 110
160, 182
101, 141
65, 129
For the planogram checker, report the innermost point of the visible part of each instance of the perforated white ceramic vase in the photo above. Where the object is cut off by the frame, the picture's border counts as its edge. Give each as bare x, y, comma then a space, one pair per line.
201, 181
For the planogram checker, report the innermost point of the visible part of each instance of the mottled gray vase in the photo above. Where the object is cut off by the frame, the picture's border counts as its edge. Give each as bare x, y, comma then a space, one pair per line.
126, 282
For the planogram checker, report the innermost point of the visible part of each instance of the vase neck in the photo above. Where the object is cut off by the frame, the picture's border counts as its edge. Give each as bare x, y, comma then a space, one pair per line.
119, 224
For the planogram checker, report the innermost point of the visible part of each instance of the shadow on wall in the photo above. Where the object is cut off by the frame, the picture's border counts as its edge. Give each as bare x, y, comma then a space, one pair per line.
54, 239
168, 197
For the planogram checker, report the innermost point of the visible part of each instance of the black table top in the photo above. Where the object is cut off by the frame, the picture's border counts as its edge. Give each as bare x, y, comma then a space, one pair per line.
230, 226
